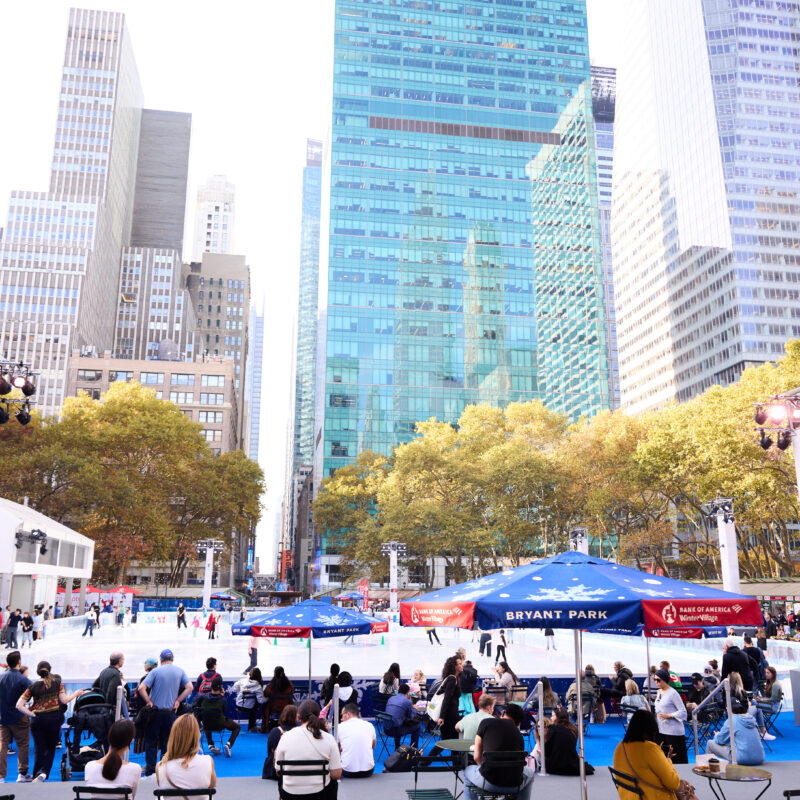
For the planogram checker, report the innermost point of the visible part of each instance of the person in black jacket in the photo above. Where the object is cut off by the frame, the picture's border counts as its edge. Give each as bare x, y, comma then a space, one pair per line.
734, 660
448, 711
758, 663
110, 679
561, 738
617, 681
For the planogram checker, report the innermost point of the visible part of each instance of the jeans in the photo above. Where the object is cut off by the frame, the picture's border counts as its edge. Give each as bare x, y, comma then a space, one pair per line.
20, 733
227, 725
88, 628
46, 730
253, 659
497, 656
409, 726
156, 736
27, 636
433, 635
714, 749
182, 621
485, 645
473, 778
755, 711
11, 638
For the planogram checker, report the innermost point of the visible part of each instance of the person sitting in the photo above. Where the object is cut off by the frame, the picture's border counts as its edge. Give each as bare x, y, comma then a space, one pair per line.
278, 694
599, 706
203, 683
549, 698
499, 736
417, 685
390, 682
287, 721
249, 696
621, 674
633, 701
114, 769
404, 717
308, 742
561, 737
357, 743
773, 692
183, 766
212, 709
650, 685
674, 678
696, 695
749, 750
709, 678
587, 697
347, 694
506, 678
640, 756
468, 726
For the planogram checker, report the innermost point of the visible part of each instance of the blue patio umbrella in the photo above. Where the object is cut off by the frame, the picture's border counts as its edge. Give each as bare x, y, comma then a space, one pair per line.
580, 592
350, 596
310, 619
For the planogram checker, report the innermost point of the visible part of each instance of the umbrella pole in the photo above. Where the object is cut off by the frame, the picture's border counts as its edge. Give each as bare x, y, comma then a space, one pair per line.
579, 698
310, 639
647, 671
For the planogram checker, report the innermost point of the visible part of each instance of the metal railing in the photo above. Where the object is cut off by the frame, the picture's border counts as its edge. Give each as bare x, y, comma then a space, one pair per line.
725, 684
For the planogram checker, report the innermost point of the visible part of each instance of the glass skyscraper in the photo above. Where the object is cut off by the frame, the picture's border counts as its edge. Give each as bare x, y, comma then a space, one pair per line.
462, 262
706, 212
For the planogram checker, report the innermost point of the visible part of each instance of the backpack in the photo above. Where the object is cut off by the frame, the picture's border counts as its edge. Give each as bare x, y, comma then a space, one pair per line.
205, 683
402, 760
469, 679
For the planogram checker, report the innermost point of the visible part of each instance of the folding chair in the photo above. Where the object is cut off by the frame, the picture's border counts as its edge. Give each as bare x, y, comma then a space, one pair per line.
501, 759
786, 793
209, 793
627, 782
315, 767
499, 694
446, 763
382, 721
111, 792
770, 714
519, 694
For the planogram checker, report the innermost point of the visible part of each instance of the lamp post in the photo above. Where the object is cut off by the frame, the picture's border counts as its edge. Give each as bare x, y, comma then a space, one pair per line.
721, 509
781, 414
393, 549
208, 547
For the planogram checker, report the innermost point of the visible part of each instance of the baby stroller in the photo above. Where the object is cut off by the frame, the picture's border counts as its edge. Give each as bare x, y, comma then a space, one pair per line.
86, 738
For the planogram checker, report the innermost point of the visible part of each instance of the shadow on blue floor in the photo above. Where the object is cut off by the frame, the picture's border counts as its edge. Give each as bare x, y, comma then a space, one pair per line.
251, 749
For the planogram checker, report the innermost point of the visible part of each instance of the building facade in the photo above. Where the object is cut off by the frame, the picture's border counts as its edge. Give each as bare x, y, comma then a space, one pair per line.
214, 217
255, 357
706, 214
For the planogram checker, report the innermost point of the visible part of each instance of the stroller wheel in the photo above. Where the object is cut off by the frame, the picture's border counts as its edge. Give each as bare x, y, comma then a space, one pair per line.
66, 772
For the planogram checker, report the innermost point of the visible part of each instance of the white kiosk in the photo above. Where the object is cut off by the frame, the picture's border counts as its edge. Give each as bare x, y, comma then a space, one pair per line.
35, 551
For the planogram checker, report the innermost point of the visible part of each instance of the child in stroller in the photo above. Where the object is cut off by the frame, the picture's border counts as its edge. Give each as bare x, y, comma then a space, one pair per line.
91, 720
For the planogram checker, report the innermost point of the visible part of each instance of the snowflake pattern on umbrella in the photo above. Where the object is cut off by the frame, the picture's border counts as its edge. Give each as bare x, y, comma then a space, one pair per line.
333, 620
574, 593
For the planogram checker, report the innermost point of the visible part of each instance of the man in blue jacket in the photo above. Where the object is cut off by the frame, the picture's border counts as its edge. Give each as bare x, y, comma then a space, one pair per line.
749, 750
404, 717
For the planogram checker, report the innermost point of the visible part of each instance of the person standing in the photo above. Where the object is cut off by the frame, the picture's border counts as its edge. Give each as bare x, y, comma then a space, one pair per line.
26, 627
734, 660
671, 714
211, 625
432, 635
181, 616
252, 651
550, 638
110, 679
448, 710
13, 723
14, 619
90, 618
38, 625
163, 689
500, 644
45, 697
485, 644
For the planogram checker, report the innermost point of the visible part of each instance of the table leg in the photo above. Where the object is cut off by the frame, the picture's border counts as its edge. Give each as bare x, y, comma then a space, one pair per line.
714, 785
769, 783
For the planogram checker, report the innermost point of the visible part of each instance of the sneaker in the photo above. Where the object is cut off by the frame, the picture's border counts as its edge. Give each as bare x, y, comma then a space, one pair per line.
227, 749
24, 778
40, 778
215, 751
768, 737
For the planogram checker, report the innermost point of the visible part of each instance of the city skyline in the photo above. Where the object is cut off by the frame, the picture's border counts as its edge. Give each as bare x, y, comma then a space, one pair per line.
225, 139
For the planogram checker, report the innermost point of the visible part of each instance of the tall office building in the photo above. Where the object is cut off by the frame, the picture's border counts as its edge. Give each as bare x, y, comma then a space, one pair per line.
705, 215
253, 373
460, 212
60, 254
604, 98
214, 217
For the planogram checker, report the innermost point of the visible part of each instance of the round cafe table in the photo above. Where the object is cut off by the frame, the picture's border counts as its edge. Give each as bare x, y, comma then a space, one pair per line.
462, 746
737, 774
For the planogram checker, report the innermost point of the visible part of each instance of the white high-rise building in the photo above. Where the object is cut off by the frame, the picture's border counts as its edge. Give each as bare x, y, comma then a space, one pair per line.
706, 210
214, 217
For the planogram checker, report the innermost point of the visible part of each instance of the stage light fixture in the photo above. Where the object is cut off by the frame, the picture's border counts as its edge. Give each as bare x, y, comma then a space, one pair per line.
776, 412
23, 416
28, 388
4, 417
5, 386
784, 440
766, 441
761, 415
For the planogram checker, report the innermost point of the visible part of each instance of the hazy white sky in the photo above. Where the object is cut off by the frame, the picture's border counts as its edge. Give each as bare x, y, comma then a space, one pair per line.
256, 78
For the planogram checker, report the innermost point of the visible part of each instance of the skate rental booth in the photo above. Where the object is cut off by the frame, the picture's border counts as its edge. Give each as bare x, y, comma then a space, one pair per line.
35, 551
579, 592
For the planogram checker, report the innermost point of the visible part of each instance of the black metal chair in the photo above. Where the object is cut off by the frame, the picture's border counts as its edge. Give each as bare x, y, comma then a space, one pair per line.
306, 767
770, 714
383, 721
112, 792
437, 761
6, 797
209, 793
501, 760
627, 782
786, 793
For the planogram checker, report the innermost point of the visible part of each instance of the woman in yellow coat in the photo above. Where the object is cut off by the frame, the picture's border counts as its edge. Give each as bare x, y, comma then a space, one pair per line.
639, 756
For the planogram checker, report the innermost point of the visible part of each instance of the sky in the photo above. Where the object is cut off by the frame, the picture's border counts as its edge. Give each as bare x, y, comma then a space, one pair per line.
256, 78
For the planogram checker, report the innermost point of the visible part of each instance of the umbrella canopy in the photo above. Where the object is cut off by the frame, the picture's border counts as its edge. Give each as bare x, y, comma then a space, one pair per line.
310, 618
350, 596
126, 590
574, 590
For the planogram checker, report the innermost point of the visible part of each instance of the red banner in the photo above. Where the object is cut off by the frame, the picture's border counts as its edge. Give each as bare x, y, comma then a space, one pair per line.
380, 626
674, 633
688, 613
363, 587
281, 633
446, 615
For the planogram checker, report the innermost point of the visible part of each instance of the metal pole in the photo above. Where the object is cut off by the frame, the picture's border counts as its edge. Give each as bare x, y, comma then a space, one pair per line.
540, 693
393, 578
579, 696
335, 710
647, 671
207, 577
727, 683
118, 710
310, 639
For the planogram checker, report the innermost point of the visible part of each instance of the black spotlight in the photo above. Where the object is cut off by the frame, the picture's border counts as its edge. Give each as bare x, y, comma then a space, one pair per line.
5, 386
784, 440
4, 416
761, 415
43, 549
766, 441
23, 416
28, 388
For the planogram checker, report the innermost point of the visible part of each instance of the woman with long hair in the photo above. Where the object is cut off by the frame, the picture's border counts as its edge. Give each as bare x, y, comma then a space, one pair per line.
326, 692
448, 710
287, 722
42, 702
639, 755
310, 741
183, 766
561, 737
506, 678
250, 696
278, 694
114, 769
390, 682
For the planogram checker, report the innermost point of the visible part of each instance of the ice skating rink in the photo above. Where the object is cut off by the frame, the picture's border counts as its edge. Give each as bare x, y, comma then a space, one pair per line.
78, 658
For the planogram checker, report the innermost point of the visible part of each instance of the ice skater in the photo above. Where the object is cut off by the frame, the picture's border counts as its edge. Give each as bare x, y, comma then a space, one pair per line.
500, 644
252, 651
181, 615
432, 635
550, 638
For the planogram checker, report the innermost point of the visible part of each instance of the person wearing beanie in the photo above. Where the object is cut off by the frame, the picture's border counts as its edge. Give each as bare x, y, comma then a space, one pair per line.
671, 714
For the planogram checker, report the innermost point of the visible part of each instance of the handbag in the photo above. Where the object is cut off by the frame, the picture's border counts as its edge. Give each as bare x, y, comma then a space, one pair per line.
685, 790
435, 703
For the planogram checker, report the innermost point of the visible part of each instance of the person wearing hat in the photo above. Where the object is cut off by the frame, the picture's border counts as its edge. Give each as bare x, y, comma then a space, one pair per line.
696, 694
671, 714
709, 678
163, 689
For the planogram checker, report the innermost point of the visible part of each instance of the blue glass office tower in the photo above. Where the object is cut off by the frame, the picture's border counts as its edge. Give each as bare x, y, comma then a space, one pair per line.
460, 204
